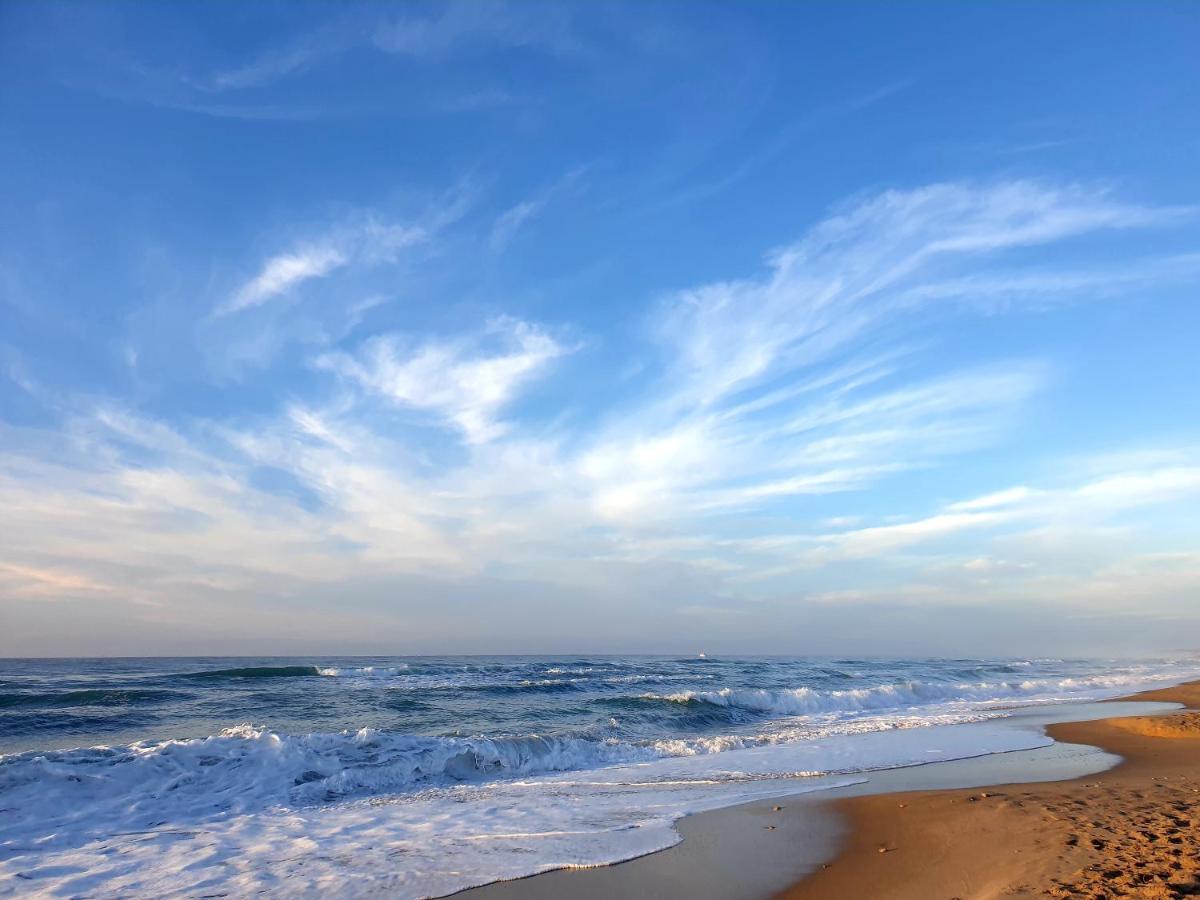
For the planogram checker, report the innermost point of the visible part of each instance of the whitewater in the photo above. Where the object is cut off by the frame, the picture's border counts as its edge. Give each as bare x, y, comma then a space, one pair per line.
420, 776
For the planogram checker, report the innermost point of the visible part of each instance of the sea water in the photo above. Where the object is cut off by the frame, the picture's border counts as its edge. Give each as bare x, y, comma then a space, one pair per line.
420, 776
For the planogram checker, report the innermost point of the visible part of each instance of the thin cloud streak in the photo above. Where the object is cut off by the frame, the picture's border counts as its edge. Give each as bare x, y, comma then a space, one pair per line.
281, 273
447, 31
516, 217
369, 243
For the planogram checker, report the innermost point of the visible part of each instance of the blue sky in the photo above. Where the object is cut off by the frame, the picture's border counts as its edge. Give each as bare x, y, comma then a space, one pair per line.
460, 327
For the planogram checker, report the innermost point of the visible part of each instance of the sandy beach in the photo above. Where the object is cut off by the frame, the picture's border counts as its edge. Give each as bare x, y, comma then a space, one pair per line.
1132, 831
1128, 830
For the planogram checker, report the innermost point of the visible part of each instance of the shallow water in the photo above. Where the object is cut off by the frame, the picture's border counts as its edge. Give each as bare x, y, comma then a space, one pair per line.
418, 776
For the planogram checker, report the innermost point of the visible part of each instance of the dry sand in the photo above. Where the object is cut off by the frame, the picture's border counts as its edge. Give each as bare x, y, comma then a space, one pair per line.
1133, 831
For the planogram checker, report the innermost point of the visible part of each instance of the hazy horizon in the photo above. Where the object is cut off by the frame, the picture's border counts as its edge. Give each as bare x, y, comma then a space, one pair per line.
548, 328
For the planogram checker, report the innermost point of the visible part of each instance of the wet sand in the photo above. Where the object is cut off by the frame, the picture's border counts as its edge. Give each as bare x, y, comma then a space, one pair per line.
1131, 830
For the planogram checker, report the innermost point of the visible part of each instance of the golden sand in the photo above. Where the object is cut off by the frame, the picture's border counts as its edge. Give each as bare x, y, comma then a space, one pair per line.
1181, 725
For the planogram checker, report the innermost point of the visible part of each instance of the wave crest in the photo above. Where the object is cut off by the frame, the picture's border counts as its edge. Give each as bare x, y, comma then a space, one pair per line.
805, 701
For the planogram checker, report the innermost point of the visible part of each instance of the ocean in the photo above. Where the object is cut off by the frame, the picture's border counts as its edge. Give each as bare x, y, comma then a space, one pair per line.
420, 776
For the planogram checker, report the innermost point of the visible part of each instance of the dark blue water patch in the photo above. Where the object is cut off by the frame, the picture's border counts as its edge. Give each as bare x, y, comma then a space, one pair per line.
258, 672
404, 704
98, 697
519, 689
49, 723
690, 713
828, 672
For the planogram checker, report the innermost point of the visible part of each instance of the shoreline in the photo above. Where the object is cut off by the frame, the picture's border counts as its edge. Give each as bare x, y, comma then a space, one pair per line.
1131, 830
827, 844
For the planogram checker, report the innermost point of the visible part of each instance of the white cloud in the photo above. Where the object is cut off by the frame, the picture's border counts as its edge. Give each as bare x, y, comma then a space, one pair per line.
370, 241
1007, 497
1141, 488
1016, 510
460, 380
281, 273
888, 538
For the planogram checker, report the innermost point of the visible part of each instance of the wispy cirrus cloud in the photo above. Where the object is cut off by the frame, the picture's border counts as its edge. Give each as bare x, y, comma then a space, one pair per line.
370, 242
848, 273
844, 438
520, 214
994, 291
282, 273
292, 57
783, 139
456, 27
421, 33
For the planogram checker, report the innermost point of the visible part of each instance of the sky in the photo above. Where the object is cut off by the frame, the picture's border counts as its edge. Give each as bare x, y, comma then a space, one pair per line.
599, 327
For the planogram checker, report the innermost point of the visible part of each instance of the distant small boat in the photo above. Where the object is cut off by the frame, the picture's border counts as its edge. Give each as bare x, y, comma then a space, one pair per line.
702, 655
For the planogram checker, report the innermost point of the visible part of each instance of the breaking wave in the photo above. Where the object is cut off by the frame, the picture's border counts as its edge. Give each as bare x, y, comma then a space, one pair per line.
362, 671
804, 701
245, 769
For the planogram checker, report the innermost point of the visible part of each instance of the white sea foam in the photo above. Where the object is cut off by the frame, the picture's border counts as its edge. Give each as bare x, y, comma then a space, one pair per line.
362, 671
